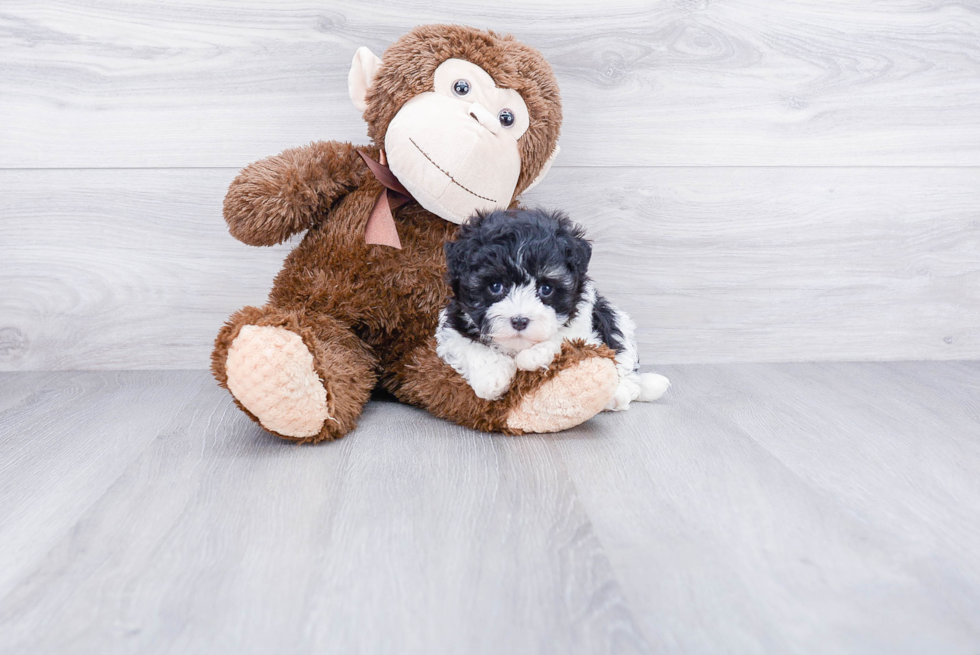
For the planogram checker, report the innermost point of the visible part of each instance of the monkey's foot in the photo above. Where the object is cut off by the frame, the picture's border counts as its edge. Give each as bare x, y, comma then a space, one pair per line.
270, 371
574, 395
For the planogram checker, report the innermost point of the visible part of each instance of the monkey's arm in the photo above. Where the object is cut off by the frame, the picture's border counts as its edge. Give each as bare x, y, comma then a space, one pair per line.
276, 197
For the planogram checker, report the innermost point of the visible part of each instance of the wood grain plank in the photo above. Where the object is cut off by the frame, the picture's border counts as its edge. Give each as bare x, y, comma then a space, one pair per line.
64, 439
750, 264
409, 536
791, 508
108, 83
135, 270
139, 257
794, 508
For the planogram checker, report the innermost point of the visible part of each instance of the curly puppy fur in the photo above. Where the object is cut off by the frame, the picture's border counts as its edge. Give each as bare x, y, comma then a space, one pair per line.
368, 313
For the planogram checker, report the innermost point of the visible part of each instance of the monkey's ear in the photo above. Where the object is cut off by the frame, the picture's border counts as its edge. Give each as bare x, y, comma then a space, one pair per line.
362, 72
544, 169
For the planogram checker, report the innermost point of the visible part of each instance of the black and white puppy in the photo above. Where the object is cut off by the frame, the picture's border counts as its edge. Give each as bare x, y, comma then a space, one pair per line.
520, 288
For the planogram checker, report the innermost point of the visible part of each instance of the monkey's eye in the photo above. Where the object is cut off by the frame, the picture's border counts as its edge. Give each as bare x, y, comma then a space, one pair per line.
461, 87
546, 290
496, 288
506, 118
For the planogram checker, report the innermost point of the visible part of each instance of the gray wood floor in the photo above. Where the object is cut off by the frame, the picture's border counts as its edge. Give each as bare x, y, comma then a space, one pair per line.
767, 508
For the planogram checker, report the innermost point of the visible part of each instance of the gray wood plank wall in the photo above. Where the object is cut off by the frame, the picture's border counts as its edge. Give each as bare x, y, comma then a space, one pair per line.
764, 181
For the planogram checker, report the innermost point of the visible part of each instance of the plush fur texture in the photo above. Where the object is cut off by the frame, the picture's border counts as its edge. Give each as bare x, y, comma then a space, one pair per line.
520, 290
367, 314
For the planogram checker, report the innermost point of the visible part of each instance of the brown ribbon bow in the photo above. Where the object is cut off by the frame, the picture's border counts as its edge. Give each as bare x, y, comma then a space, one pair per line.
381, 228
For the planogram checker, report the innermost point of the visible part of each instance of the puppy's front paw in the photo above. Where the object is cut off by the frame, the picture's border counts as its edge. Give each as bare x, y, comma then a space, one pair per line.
537, 357
492, 381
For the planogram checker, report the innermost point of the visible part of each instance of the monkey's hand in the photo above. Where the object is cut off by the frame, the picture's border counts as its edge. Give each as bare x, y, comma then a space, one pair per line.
276, 197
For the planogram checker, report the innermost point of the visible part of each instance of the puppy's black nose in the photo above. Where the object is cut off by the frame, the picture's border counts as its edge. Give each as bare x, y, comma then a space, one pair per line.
519, 322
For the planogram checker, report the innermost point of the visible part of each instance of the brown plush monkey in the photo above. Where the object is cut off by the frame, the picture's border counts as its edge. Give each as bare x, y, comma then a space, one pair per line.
468, 119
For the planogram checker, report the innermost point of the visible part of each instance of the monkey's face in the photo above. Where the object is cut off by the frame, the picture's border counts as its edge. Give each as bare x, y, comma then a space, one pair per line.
456, 147
467, 118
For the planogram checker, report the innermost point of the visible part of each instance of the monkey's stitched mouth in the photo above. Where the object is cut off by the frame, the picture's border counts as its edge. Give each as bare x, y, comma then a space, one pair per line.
446, 173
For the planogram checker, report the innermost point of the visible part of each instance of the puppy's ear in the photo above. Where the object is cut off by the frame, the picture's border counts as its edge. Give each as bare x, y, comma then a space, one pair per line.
457, 262
578, 250
579, 253
455, 257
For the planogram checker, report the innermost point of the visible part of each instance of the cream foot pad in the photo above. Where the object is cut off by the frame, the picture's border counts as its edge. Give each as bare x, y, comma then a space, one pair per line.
270, 372
573, 396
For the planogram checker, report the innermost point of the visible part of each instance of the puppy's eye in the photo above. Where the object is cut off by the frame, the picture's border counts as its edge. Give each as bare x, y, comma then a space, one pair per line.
461, 87
506, 118
546, 290
496, 288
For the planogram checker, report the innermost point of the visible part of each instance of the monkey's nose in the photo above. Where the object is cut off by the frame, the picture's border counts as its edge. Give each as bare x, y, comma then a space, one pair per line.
519, 322
485, 118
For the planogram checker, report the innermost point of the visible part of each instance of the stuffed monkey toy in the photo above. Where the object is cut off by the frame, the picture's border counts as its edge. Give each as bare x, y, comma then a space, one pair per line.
461, 120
